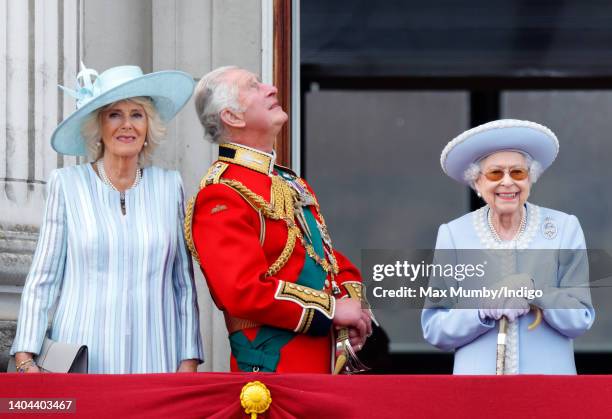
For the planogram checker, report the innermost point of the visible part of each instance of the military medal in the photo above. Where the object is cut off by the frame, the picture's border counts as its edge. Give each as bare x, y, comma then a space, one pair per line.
303, 198
335, 288
324, 234
299, 215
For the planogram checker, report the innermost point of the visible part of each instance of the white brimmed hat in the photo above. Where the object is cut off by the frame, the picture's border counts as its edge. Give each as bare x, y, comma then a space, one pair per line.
169, 90
474, 144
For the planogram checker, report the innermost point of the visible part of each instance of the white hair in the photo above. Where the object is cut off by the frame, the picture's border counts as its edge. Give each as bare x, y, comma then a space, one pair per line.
470, 175
212, 95
91, 130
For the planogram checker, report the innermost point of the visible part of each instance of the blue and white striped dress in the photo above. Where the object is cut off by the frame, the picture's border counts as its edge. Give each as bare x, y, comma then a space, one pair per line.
125, 282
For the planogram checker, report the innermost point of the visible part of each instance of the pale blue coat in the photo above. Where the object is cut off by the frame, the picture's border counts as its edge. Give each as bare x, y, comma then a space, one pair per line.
549, 348
123, 283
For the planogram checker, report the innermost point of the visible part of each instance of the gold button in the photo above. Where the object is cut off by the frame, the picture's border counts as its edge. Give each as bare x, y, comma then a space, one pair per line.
292, 286
359, 294
355, 285
300, 288
307, 292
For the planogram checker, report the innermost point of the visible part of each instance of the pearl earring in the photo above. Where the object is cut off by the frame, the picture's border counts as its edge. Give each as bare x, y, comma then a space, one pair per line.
99, 144
479, 194
146, 143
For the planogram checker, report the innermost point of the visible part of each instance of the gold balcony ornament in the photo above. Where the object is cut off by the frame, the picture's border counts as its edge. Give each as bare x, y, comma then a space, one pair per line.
255, 398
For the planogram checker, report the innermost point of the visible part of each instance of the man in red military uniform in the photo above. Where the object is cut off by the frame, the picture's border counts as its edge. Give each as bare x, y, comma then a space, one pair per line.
261, 240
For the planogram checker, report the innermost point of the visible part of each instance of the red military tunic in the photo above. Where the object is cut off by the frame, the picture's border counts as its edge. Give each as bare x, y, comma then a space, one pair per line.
239, 243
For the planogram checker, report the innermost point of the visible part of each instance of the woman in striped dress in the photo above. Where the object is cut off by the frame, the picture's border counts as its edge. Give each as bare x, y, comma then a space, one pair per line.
111, 250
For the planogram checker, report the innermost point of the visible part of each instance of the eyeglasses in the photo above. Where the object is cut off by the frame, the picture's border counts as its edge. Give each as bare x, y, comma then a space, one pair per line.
495, 175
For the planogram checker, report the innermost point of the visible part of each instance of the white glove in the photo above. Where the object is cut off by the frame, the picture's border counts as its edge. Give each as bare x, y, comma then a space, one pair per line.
513, 308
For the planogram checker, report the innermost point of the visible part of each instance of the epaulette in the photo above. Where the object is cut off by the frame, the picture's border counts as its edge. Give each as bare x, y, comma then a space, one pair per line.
212, 176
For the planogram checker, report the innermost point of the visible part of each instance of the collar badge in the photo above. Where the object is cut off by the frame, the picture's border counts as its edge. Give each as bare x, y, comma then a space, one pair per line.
549, 228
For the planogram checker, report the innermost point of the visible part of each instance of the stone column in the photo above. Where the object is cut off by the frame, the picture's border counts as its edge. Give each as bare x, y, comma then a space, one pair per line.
39, 49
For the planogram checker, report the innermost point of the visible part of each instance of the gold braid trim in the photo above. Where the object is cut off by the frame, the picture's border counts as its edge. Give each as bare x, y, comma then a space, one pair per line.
309, 249
306, 297
354, 289
283, 198
187, 226
280, 207
212, 176
305, 321
254, 199
283, 258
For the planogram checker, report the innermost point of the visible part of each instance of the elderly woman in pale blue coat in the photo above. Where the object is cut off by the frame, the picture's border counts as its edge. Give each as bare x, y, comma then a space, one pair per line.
500, 160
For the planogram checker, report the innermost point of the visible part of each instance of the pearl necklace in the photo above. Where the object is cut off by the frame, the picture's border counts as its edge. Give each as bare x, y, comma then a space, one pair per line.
105, 179
520, 230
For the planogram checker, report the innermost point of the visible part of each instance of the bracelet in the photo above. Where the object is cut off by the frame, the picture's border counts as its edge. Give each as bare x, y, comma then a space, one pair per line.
22, 365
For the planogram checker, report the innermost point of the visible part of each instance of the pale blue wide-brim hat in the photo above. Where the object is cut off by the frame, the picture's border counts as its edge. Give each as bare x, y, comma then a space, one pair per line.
539, 142
169, 90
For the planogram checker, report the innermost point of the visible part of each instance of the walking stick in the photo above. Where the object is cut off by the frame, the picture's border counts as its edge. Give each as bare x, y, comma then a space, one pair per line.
500, 363
501, 346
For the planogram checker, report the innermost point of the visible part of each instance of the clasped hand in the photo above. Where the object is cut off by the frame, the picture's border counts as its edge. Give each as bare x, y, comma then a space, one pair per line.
349, 314
511, 308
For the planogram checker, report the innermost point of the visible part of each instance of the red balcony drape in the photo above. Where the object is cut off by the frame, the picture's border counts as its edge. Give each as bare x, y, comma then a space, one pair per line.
216, 395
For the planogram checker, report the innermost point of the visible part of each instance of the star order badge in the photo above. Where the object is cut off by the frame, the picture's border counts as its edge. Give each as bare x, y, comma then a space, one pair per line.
549, 228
